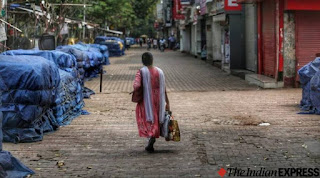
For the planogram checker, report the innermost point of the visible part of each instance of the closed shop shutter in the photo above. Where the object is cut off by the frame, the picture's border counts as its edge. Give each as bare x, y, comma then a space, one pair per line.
269, 56
307, 37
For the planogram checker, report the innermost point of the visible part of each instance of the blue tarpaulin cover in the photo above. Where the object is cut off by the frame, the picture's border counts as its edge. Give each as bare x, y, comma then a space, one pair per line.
69, 103
10, 167
93, 65
63, 60
81, 57
104, 50
29, 89
310, 83
113, 44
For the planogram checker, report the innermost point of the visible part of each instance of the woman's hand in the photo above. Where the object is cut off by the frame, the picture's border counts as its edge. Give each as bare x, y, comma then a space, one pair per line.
167, 107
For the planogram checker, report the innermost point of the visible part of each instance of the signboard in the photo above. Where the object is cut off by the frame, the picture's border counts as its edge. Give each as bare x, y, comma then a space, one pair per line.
159, 11
176, 10
3, 34
203, 7
185, 2
302, 5
232, 5
168, 15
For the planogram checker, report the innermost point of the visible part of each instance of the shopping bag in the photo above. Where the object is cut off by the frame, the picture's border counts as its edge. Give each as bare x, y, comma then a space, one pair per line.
173, 130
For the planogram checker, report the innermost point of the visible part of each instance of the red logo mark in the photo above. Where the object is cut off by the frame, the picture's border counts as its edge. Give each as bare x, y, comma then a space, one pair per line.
222, 172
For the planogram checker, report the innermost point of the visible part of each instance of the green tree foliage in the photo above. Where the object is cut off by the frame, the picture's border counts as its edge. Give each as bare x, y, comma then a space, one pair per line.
136, 16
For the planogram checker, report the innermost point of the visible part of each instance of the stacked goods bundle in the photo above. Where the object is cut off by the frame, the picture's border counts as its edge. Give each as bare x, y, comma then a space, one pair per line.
82, 60
93, 54
310, 82
105, 52
10, 166
63, 60
132, 41
115, 45
69, 102
29, 89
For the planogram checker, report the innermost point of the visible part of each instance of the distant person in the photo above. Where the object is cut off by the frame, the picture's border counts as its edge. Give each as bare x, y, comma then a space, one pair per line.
149, 41
204, 52
140, 42
172, 41
128, 42
150, 112
155, 43
162, 44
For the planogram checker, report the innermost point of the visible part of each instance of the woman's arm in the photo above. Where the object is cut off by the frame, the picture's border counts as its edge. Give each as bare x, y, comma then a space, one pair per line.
167, 101
137, 81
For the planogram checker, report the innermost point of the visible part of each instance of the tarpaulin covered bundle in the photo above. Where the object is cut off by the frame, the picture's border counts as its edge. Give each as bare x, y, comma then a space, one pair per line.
310, 82
81, 57
132, 41
115, 45
69, 102
10, 166
63, 60
29, 89
95, 58
105, 52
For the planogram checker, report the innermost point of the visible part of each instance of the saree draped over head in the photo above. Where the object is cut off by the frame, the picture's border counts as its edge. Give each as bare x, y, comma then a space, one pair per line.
150, 113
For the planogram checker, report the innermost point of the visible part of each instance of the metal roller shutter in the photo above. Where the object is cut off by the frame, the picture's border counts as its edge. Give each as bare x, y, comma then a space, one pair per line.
307, 37
269, 56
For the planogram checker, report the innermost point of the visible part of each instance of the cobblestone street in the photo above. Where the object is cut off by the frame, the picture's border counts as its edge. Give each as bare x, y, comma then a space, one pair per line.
218, 114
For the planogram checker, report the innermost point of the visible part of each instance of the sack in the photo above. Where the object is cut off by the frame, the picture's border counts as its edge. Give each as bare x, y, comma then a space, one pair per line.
137, 95
173, 129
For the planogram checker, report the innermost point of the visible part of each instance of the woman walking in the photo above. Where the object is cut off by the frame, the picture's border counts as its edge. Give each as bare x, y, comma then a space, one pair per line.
150, 112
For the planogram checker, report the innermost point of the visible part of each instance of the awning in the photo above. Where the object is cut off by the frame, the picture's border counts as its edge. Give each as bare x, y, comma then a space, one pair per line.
111, 31
248, 1
219, 18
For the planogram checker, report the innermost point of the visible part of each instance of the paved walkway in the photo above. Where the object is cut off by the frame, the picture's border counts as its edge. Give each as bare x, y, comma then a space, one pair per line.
183, 73
218, 119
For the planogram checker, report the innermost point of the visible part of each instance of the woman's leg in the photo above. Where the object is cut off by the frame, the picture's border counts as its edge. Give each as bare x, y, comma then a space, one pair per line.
149, 147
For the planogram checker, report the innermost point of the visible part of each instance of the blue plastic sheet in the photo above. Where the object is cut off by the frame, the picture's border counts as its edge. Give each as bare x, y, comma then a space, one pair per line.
93, 64
29, 89
105, 52
1, 136
113, 45
310, 83
63, 60
81, 57
9, 166
69, 102
132, 41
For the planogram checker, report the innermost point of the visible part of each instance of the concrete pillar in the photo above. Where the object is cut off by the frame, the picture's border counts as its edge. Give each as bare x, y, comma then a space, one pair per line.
209, 40
216, 42
289, 53
193, 40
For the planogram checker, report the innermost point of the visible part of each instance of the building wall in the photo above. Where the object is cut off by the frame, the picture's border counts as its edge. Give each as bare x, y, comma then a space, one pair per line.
289, 49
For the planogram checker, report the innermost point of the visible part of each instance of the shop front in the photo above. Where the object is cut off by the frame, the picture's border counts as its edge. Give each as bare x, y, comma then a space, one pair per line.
307, 30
